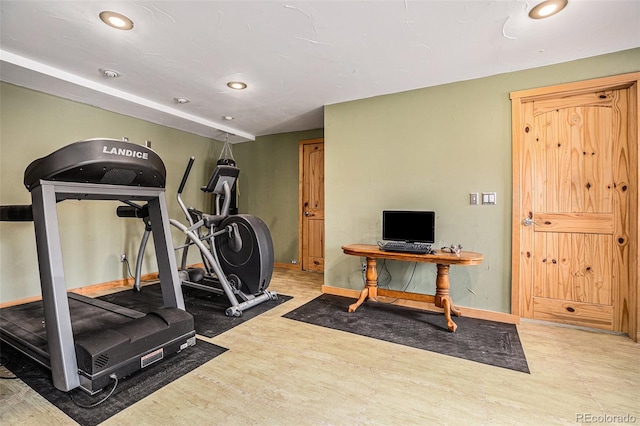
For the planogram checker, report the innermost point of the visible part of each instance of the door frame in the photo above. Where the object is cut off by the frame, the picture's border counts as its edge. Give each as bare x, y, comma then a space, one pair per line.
301, 171
623, 81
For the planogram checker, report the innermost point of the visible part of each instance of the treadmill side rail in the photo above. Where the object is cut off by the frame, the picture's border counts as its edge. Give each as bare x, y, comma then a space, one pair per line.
62, 355
167, 265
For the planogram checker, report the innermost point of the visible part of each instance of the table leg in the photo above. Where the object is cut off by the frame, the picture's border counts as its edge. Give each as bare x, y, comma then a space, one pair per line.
370, 290
443, 299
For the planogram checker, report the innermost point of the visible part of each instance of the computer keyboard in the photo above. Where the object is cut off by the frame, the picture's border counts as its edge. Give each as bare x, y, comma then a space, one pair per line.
403, 247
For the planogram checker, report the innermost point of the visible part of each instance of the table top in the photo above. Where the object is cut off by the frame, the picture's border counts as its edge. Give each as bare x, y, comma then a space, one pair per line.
441, 258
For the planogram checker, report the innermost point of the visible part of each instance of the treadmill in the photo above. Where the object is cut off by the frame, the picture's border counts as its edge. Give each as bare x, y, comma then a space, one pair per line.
89, 343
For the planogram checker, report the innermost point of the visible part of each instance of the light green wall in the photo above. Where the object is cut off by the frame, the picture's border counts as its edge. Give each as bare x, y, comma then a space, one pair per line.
424, 149
268, 186
428, 149
33, 125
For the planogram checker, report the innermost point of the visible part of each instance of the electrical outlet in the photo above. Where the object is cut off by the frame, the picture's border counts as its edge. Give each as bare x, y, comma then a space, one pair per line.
123, 257
364, 267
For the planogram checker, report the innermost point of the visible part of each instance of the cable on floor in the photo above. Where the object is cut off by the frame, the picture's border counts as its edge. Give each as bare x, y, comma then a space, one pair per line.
3, 363
115, 385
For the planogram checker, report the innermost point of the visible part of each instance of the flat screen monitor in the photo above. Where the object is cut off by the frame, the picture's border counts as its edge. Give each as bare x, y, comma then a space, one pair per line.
410, 226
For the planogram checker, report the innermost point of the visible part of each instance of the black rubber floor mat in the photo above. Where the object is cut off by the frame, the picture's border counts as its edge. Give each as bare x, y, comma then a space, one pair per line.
128, 391
489, 342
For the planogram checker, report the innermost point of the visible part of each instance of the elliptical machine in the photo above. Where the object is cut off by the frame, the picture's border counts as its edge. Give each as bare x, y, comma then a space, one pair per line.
236, 250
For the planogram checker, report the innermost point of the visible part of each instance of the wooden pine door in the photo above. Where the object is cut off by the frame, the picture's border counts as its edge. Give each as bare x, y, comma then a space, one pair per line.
312, 204
575, 217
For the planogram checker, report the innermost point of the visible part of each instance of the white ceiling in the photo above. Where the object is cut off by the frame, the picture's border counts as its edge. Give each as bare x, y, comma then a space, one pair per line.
296, 56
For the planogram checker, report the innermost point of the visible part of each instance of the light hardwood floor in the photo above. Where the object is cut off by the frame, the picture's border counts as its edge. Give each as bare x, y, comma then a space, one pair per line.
283, 372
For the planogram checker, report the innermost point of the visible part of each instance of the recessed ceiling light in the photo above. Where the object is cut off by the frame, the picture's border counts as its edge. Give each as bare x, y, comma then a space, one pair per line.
181, 100
109, 73
237, 85
227, 117
547, 8
116, 20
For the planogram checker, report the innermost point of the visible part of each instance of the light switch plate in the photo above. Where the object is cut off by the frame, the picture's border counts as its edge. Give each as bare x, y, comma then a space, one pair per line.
473, 199
489, 198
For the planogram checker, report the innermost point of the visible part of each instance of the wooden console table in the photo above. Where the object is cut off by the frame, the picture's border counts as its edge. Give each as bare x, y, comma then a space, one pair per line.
443, 260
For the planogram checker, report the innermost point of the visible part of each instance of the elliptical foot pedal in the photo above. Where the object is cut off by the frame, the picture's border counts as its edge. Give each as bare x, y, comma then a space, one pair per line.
196, 275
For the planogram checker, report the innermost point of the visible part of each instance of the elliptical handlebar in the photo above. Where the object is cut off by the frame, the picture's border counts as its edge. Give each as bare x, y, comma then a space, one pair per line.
132, 211
181, 187
186, 175
224, 211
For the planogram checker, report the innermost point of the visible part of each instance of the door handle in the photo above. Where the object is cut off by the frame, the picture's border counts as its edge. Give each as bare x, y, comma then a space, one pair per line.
527, 221
307, 214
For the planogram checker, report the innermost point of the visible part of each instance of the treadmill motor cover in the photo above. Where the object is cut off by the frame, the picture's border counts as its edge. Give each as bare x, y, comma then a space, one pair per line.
133, 345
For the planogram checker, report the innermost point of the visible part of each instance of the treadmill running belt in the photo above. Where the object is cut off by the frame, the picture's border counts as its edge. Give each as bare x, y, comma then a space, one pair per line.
28, 320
